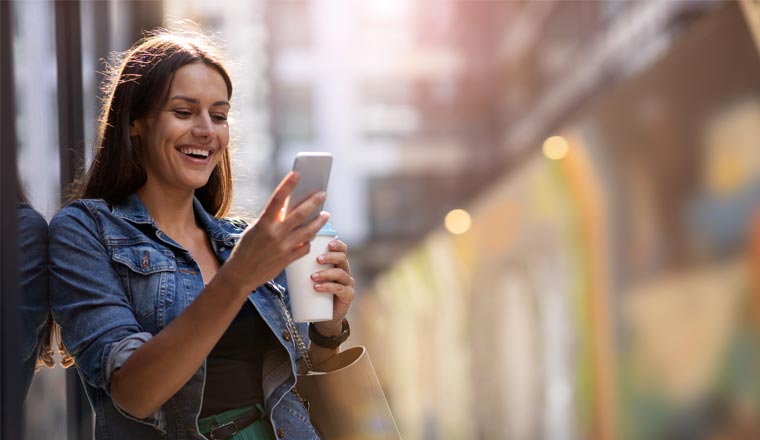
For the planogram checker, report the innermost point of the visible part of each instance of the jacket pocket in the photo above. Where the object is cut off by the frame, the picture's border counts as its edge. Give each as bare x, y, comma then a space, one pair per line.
148, 276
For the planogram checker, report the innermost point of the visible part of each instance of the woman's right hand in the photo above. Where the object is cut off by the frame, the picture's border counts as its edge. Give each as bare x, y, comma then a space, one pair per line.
275, 240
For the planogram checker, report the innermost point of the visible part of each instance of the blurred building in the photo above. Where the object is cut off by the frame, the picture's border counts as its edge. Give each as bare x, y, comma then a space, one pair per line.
604, 293
424, 103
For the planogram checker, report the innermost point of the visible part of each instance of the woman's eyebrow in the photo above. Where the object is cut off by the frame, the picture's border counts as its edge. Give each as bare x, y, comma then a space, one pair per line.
195, 101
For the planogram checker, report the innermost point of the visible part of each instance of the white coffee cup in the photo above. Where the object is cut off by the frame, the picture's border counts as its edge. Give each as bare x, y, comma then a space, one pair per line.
306, 304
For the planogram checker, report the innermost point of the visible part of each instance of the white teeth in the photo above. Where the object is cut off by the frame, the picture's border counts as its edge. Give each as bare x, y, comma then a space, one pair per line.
195, 151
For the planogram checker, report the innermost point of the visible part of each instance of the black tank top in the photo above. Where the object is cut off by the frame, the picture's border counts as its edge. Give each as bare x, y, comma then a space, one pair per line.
233, 368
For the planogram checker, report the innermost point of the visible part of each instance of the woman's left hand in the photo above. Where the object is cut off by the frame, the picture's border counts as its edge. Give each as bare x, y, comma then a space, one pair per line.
338, 281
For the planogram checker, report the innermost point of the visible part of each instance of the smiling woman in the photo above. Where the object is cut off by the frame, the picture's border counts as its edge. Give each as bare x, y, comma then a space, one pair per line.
171, 311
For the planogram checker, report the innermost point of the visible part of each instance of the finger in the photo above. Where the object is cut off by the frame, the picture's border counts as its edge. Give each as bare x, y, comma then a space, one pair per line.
297, 215
338, 259
338, 246
334, 275
343, 293
306, 233
279, 195
299, 250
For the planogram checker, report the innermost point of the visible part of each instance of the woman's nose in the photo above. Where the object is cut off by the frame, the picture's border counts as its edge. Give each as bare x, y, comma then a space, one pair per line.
203, 127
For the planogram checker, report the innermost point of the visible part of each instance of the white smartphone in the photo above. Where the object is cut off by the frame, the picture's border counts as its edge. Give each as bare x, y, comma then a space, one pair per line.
314, 169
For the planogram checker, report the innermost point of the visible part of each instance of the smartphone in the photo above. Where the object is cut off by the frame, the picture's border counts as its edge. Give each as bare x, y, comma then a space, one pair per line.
314, 169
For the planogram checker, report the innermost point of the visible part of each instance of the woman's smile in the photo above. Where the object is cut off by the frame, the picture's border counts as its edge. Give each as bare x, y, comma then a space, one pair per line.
196, 154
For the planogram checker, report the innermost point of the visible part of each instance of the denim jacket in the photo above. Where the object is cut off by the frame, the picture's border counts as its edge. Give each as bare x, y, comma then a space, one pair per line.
34, 302
116, 280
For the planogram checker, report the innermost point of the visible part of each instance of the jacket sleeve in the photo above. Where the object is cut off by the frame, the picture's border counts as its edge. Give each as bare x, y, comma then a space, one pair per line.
88, 299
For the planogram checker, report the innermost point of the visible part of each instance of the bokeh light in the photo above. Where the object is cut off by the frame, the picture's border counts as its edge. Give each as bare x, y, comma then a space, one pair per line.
556, 147
457, 221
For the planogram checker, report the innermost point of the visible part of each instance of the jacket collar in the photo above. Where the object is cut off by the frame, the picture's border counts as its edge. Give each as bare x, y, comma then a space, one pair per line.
133, 210
211, 224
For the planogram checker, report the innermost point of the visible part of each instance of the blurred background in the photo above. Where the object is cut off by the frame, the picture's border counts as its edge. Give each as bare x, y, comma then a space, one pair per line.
551, 206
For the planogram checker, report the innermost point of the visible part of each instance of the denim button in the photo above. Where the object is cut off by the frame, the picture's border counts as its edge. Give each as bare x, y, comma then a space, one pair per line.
222, 249
286, 335
280, 433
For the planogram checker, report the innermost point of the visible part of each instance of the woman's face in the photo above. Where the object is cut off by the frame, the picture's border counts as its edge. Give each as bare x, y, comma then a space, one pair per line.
184, 140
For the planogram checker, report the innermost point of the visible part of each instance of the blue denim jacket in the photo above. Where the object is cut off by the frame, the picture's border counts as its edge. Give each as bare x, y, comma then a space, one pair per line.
33, 302
116, 280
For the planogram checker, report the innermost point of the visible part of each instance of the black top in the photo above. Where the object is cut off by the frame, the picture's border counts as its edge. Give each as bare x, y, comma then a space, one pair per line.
233, 368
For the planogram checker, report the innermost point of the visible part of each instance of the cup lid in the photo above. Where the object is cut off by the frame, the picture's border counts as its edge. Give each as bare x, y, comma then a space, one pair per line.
327, 229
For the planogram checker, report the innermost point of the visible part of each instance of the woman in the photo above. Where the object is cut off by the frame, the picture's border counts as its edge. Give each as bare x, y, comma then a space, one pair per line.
148, 279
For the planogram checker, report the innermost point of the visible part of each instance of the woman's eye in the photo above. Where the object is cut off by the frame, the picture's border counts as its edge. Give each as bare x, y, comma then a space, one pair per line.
183, 113
219, 117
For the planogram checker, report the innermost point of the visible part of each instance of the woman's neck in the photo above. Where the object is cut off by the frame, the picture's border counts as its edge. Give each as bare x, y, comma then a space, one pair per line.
171, 210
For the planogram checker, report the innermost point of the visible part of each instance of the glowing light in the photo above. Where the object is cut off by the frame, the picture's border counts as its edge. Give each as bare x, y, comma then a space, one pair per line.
555, 147
457, 221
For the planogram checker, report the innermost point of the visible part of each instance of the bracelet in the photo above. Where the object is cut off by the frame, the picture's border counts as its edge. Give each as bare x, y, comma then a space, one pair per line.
331, 342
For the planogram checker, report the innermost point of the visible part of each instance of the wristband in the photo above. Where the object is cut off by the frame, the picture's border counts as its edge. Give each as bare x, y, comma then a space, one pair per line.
331, 342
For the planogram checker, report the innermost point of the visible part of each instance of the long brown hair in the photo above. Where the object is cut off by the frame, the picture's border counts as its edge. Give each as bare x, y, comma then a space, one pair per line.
134, 88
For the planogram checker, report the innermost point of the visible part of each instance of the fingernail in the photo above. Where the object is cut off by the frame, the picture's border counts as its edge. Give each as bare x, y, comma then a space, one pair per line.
315, 276
318, 286
321, 258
